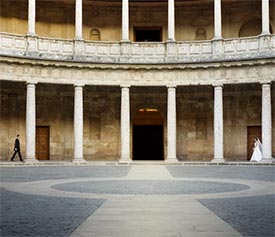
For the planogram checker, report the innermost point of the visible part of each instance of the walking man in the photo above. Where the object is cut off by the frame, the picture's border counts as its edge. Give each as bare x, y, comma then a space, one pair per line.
17, 148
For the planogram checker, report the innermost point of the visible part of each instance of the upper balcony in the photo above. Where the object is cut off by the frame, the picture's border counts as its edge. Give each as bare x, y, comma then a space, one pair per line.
259, 47
138, 32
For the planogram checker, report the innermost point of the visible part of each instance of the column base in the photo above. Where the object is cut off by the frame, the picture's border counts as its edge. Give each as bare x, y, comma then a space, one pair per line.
125, 41
218, 160
171, 160
170, 41
217, 38
268, 160
265, 34
79, 161
124, 160
30, 160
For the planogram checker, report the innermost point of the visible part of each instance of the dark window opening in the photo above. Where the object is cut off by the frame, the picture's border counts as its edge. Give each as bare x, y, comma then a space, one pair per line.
148, 34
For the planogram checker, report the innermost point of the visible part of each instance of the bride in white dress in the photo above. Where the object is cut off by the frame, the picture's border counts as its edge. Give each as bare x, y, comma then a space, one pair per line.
257, 151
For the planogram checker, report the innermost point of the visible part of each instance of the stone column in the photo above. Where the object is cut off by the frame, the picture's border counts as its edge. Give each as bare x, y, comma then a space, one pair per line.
78, 19
265, 17
218, 124
266, 123
171, 20
125, 20
125, 125
217, 20
30, 123
78, 124
31, 18
171, 125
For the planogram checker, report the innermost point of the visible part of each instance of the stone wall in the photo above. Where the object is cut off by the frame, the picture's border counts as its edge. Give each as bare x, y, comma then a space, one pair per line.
54, 103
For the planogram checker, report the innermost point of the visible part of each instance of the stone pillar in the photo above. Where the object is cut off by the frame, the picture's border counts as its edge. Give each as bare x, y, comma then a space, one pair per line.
78, 19
125, 125
265, 17
218, 124
31, 18
217, 20
171, 20
125, 20
78, 124
30, 123
171, 126
266, 123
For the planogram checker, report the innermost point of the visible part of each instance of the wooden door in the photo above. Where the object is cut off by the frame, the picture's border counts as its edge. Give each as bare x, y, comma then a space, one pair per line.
42, 142
252, 133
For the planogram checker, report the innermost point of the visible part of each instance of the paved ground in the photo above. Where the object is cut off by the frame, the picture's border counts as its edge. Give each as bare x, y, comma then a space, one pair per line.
138, 200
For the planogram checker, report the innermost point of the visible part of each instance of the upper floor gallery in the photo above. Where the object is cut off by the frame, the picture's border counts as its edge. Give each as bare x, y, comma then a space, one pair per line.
138, 20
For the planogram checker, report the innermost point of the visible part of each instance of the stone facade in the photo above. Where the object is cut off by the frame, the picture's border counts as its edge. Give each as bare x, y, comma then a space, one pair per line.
55, 106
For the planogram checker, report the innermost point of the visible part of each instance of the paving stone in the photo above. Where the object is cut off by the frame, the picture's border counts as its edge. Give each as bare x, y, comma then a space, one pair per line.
150, 187
36, 215
226, 172
26, 174
251, 216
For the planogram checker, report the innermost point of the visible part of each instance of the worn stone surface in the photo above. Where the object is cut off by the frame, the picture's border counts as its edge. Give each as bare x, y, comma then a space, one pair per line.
234, 172
27, 215
146, 187
25, 174
246, 215
36, 209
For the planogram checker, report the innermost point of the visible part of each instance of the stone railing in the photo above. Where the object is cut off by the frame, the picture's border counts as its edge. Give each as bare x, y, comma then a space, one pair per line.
140, 53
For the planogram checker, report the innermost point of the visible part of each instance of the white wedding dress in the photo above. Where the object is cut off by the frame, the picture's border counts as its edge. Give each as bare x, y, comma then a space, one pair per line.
257, 153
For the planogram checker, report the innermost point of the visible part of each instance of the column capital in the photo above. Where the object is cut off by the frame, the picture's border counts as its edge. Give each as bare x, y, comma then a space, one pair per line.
125, 86
217, 85
79, 85
31, 83
171, 86
266, 83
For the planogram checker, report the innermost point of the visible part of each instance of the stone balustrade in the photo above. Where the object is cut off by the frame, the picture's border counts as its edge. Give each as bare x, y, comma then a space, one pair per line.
257, 47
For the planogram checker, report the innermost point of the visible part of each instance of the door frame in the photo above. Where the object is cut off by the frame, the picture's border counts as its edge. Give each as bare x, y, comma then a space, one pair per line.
248, 147
138, 122
48, 140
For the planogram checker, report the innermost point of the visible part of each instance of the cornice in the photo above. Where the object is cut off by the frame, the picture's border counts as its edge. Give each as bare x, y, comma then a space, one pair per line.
112, 66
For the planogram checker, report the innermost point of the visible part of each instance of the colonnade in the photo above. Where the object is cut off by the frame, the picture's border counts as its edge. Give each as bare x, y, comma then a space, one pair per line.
125, 19
171, 123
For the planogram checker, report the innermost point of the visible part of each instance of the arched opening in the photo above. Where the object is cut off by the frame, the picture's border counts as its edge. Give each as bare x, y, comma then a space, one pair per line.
252, 28
201, 34
95, 35
148, 135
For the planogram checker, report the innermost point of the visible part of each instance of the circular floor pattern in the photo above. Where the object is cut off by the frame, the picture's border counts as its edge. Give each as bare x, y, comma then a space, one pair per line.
149, 187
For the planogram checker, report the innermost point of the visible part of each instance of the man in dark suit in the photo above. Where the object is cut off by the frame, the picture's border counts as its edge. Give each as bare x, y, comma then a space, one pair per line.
17, 148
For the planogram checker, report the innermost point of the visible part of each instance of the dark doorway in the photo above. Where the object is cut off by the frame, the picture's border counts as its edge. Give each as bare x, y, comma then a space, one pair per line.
42, 143
252, 133
148, 142
148, 34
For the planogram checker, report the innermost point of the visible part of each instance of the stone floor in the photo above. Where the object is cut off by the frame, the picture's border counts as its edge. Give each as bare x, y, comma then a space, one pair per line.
137, 200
